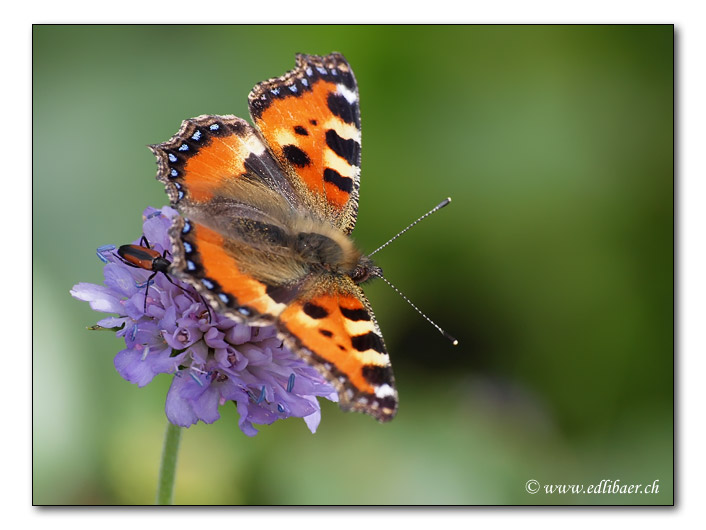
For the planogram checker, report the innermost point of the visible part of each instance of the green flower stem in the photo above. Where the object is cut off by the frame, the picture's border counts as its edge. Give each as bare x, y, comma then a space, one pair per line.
167, 470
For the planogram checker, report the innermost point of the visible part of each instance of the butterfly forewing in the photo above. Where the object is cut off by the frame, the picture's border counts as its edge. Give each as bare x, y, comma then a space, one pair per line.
310, 119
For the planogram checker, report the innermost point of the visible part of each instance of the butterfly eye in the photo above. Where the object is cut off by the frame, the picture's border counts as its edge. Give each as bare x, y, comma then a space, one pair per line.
359, 275
365, 270
364, 273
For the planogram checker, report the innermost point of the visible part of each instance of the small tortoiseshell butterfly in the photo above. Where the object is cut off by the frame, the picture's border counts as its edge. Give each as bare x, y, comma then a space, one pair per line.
266, 216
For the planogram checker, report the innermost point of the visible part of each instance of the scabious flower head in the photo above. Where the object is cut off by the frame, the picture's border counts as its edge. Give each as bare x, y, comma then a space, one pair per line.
213, 359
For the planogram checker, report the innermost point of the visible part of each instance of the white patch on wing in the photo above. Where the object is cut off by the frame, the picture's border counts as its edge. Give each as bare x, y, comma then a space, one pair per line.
350, 95
347, 131
333, 161
384, 391
358, 327
373, 357
285, 137
254, 145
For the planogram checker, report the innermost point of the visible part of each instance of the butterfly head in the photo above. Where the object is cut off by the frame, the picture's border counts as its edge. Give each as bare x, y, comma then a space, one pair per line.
365, 270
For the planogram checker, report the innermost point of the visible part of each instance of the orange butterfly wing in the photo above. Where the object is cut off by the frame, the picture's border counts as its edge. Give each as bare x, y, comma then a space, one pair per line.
310, 119
201, 161
206, 262
338, 332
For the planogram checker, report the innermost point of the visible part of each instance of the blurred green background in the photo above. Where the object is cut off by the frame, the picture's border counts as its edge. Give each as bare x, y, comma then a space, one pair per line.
553, 265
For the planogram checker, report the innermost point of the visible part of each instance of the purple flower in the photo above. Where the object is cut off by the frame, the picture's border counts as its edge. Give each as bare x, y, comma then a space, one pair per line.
213, 359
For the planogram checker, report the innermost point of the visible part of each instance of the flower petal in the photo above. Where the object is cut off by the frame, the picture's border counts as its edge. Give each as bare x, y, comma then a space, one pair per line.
132, 367
99, 297
192, 397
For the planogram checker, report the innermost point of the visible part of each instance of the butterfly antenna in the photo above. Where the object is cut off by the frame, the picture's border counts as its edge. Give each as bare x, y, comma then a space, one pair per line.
438, 328
435, 209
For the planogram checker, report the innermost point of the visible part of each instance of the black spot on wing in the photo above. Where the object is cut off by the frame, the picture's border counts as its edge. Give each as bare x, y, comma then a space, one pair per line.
377, 375
389, 403
355, 314
368, 341
347, 149
301, 131
296, 156
340, 106
282, 294
315, 311
326, 333
334, 177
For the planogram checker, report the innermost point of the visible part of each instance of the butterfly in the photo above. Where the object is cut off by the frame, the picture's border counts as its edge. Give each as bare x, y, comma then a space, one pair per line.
266, 217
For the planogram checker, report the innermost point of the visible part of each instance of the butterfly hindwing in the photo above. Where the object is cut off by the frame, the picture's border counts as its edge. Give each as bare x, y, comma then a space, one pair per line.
336, 331
310, 119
